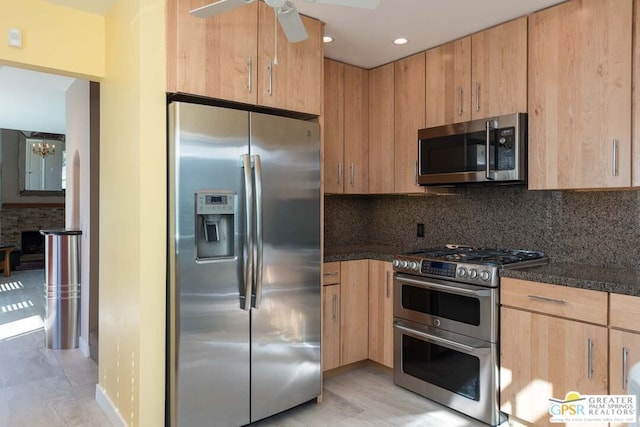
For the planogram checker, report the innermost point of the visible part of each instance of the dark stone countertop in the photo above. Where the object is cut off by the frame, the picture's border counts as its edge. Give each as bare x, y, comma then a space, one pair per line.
350, 253
614, 280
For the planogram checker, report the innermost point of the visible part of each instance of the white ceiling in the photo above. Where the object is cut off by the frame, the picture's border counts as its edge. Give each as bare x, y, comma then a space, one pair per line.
364, 37
32, 101
35, 101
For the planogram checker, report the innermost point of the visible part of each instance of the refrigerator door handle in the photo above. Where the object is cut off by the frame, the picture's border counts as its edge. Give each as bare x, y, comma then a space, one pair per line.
248, 246
259, 240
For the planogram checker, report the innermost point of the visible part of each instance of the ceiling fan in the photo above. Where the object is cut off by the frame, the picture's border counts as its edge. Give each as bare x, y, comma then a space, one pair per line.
286, 12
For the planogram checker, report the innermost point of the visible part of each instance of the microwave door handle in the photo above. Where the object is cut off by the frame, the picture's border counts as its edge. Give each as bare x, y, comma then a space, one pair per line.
488, 151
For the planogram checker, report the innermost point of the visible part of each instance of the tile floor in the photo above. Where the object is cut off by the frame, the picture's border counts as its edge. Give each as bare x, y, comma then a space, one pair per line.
52, 388
38, 386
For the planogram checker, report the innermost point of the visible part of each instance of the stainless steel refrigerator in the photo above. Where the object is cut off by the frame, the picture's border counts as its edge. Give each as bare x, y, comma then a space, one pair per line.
244, 265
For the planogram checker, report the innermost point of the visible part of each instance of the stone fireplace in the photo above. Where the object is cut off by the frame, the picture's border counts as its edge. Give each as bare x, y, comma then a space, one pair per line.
26, 220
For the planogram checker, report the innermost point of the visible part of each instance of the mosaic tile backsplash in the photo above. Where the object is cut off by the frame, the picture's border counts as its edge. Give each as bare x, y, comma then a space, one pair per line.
597, 228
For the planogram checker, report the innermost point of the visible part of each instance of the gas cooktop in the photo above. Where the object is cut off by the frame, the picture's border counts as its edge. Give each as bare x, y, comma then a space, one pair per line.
466, 264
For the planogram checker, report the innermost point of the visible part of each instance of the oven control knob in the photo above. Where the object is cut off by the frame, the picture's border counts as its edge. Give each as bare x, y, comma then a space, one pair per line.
484, 275
436, 322
462, 271
413, 265
473, 273
404, 264
396, 263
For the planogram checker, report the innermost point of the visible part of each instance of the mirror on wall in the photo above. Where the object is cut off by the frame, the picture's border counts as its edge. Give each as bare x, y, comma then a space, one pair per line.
41, 163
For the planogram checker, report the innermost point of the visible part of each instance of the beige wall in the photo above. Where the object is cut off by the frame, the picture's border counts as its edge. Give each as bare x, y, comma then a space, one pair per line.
125, 52
133, 211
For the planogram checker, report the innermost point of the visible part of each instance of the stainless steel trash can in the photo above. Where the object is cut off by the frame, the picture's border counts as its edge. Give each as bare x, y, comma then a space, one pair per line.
62, 288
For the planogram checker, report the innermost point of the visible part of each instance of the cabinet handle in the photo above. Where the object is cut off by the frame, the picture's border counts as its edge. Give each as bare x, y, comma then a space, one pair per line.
270, 76
335, 307
352, 169
625, 353
544, 299
459, 100
331, 273
250, 71
477, 96
415, 172
615, 157
339, 174
388, 286
589, 358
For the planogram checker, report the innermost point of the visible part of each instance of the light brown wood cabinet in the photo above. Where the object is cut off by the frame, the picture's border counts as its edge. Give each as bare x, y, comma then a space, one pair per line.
381, 312
346, 141
624, 342
499, 70
231, 57
580, 56
381, 130
345, 313
448, 88
546, 347
409, 112
478, 76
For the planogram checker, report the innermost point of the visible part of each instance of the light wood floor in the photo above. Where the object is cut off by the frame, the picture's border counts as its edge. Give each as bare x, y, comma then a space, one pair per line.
56, 388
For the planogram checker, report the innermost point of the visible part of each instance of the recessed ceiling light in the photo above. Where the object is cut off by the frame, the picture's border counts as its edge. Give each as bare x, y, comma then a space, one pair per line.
327, 39
400, 41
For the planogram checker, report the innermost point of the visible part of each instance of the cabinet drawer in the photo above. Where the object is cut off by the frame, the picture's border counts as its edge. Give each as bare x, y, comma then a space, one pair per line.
572, 303
625, 312
331, 273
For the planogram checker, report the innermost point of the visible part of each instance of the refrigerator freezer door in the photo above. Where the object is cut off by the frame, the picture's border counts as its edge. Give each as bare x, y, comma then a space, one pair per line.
285, 328
209, 330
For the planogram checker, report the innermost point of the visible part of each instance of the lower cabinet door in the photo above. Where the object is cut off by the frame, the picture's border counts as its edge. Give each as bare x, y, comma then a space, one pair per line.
381, 312
331, 327
544, 357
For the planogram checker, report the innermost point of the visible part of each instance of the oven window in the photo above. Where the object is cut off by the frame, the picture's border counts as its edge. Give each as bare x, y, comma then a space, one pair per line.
449, 369
442, 304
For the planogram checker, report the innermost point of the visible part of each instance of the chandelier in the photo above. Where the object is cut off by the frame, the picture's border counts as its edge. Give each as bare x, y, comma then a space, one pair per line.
43, 150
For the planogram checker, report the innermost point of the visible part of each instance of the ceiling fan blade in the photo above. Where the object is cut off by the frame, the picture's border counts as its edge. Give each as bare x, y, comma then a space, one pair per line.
218, 7
364, 4
291, 23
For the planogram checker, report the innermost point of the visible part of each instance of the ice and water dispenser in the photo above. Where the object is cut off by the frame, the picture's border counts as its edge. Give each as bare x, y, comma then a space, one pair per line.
215, 224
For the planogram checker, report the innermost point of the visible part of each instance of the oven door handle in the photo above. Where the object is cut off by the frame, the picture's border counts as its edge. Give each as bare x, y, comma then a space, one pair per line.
438, 340
445, 288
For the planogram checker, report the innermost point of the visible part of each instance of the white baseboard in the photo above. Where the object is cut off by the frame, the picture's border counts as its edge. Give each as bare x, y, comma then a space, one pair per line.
84, 347
108, 407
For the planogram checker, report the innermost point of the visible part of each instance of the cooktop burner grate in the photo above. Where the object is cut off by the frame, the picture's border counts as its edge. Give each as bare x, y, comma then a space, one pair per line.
477, 255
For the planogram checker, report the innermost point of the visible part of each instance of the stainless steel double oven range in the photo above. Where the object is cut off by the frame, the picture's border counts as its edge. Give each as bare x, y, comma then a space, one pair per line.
446, 325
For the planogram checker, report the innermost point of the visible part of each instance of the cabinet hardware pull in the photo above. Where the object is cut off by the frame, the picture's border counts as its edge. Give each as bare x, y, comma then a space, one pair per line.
477, 97
250, 69
459, 100
615, 158
625, 353
589, 358
270, 75
544, 299
415, 172
339, 173
331, 273
352, 168
335, 307
388, 287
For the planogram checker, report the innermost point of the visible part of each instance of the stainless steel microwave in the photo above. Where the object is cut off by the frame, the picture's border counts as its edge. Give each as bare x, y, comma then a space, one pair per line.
492, 150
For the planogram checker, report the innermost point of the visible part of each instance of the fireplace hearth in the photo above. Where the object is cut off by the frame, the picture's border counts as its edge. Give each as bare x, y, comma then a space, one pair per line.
32, 242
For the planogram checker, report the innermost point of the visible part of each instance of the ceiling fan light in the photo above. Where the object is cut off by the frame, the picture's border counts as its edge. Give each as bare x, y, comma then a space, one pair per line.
400, 41
327, 39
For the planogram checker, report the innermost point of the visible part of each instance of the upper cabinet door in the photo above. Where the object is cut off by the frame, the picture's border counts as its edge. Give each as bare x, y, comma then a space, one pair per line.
381, 130
580, 95
409, 76
356, 130
214, 57
448, 96
294, 81
499, 70
333, 128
